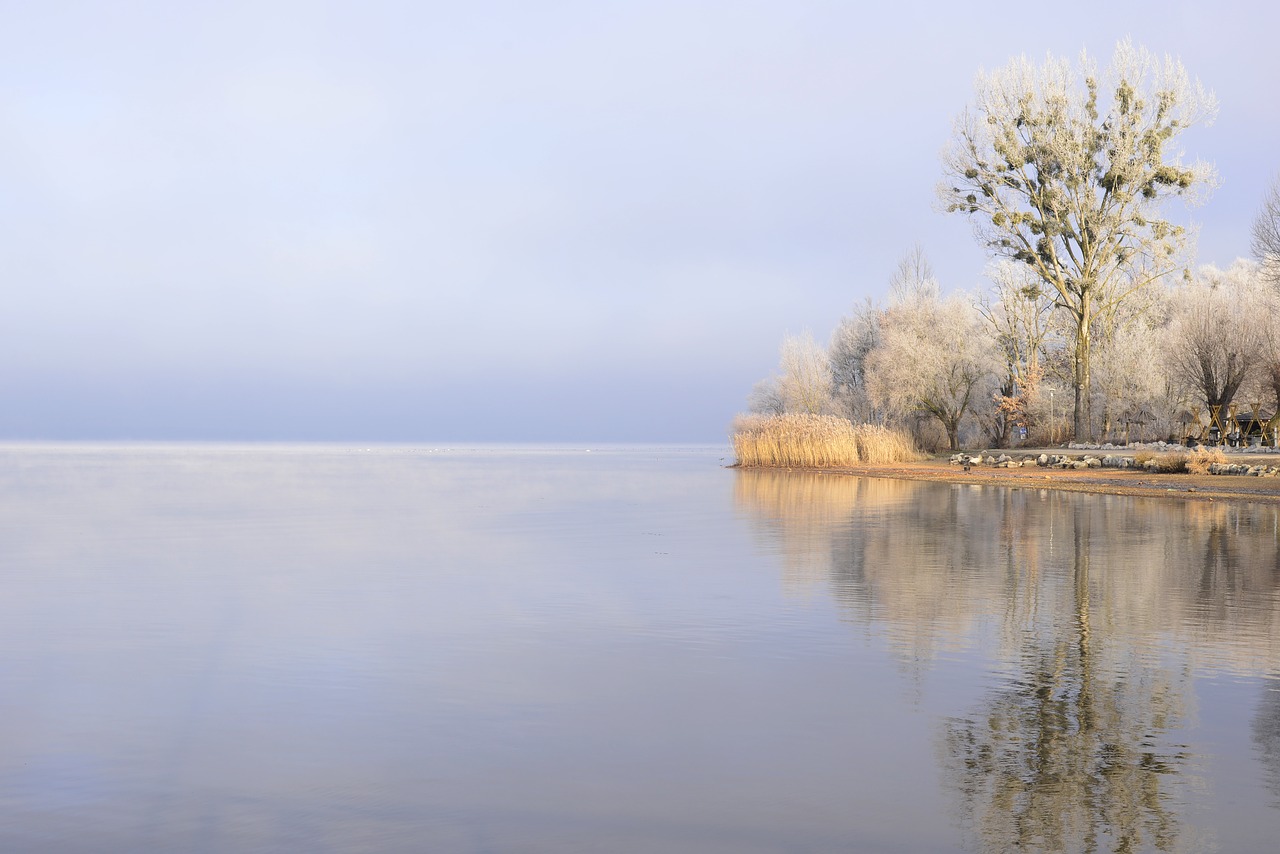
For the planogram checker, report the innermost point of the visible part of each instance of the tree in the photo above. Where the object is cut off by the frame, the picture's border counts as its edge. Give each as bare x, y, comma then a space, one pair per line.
1266, 735
914, 278
858, 335
1266, 249
1129, 376
766, 398
805, 380
1073, 187
1067, 756
1218, 332
802, 383
854, 340
1266, 234
1128, 368
1269, 376
1017, 314
934, 357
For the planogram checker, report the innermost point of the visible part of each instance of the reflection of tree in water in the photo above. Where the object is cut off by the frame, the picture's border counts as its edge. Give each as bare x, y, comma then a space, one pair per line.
1238, 575
859, 538
804, 515
1069, 756
1102, 606
1266, 735
936, 564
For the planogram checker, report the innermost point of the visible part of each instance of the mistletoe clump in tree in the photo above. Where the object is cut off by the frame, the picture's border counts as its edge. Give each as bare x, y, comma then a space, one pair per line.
1067, 172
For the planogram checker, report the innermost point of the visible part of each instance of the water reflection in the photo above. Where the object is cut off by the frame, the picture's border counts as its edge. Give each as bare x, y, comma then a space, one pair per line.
1068, 755
1098, 614
296, 648
1266, 735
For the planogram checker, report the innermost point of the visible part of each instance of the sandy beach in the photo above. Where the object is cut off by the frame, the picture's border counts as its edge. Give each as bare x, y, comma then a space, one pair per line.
1104, 481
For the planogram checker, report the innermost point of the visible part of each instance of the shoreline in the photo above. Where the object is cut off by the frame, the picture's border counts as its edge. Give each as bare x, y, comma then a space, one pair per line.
1185, 487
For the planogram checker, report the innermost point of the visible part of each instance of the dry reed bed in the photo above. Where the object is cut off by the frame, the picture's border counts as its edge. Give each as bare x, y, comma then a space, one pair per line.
1176, 462
818, 441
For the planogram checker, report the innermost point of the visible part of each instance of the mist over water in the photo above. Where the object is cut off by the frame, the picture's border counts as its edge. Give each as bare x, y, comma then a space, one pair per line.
214, 648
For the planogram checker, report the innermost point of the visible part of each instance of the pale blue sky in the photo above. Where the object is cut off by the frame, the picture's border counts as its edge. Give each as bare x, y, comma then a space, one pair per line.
501, 221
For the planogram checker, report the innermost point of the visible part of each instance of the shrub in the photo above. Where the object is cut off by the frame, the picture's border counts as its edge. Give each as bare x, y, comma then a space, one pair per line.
816, 441
1171, 463
1166, 463
1201, 458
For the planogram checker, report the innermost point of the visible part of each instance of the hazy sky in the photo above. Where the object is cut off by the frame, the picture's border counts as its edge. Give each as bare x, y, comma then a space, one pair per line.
502, 221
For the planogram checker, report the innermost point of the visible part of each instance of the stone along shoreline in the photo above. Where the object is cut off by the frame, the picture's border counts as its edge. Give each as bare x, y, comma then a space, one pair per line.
1249, 477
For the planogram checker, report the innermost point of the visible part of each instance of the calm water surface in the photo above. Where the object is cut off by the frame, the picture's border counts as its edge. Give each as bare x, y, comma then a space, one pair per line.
221, 648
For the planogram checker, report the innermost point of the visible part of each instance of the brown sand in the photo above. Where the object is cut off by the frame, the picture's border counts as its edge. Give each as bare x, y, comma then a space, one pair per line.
1106, 481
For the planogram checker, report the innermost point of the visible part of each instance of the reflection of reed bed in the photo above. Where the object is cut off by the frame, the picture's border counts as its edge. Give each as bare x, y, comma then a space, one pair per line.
808, 498
818, 441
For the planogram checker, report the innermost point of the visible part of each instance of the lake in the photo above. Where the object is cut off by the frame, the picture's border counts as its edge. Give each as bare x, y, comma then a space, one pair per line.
622, 649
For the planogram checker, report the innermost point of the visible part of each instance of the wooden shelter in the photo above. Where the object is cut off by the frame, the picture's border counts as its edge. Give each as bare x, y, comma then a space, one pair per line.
1136, 416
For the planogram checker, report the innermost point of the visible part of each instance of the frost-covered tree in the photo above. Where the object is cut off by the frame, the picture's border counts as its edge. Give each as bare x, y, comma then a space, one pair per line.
804, 375
858, 335
914, 278
766, 398
1130, 381
1267, 384
854, 340
802, 383
934, 358
1130, 376
1066, 172
1266, 234
1017, 312
1219, 330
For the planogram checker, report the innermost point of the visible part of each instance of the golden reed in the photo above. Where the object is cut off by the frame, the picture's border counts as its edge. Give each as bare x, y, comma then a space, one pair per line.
817, 441
1174, 462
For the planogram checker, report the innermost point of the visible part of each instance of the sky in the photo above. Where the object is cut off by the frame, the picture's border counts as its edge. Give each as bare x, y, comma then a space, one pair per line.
504, 221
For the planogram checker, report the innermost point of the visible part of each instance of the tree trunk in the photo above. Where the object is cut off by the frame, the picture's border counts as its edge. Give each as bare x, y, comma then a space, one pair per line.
952, 426
1083, 415
1219, 403
1221, 396
1004, 419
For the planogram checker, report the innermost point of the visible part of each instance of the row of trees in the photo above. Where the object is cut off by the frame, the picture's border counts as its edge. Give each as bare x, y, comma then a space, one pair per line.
1064, 174
989, 365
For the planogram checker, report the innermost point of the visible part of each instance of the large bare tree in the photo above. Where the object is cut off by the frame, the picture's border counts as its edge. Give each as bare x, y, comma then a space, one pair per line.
1219, 331
1066, 172
1266, 234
